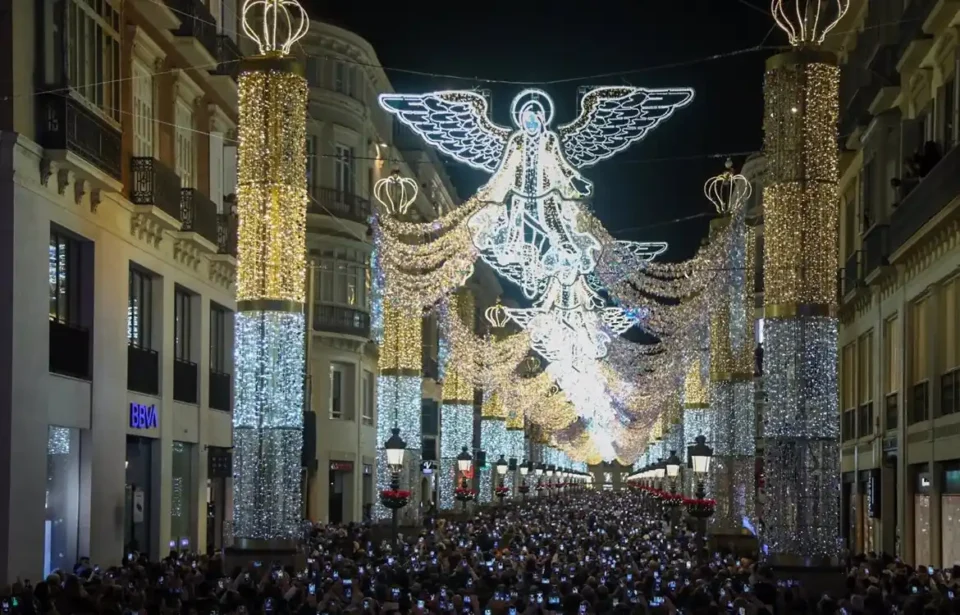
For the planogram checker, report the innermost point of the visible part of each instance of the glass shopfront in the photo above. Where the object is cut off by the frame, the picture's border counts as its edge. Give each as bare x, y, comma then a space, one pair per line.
62, 521
921, 516
138, 520
182, 488
950, 514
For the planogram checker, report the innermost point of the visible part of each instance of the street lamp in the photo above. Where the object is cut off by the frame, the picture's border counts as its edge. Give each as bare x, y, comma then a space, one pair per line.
524, 470
549, 472
395, 448
673, 465
502, 466
701, 456
539, 472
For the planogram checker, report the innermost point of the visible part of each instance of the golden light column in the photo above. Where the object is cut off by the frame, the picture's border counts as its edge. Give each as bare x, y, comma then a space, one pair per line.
801, 451
271, 266
399, 398
731, 355
456, 415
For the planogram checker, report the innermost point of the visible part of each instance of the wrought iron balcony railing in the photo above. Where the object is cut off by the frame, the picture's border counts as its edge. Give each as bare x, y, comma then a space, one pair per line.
199, 215
65, 124
339, 203
155, 184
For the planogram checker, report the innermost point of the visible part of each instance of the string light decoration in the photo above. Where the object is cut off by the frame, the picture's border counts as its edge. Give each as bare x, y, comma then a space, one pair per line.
456, 416
271, 266
801, 455
807, 22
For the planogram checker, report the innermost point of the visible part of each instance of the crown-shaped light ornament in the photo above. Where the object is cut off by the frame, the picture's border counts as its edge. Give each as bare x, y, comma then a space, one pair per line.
807, 22
727, 191
396, 193
496, 316
281, 23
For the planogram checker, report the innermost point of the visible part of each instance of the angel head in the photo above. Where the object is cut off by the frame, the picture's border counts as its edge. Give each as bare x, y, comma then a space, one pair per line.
532, 111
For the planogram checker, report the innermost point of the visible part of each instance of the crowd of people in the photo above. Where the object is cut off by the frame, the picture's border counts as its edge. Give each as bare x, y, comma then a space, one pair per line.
579, 554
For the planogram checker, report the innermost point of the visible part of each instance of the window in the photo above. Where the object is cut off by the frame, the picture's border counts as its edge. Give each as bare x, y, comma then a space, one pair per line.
64, 275
368, 395
342, 278
338, 391
949, 345
313, 158
143, 123
218, 339
848, 401
62, 502
918, 404
867, 195
865, 385
185, 146
343, 173
181, 324
429, 417
340, 77
946, 100
140, 309
849, 220
93, 54
313, 71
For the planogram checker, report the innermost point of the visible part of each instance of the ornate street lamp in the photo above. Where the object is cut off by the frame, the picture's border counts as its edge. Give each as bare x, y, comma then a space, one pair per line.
525, 468
464, 463
700, 508
501, 466
393, 498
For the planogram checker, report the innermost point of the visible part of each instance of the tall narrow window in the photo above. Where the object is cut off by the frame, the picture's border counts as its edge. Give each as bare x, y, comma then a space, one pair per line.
140, 309
63, 264
340, 77
337, 374
143, 123
93, 54
218, 339
185, 145
181, 324
369, 399
343, 177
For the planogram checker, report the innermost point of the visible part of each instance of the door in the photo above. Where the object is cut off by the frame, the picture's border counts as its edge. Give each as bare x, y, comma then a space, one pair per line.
335, 512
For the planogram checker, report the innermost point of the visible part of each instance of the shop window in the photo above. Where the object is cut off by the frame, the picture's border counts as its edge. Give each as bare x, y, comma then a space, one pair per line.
62, 518
181, 494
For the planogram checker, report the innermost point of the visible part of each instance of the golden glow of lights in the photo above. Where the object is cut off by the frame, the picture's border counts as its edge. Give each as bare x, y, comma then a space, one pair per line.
695, 393
457, 384
271, 190
800, 200
492, 407
402, 339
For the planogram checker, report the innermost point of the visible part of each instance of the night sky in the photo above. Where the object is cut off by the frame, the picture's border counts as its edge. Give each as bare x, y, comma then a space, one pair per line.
641, 192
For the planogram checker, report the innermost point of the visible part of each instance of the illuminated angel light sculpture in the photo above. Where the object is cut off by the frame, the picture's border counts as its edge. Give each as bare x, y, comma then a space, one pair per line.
529, 231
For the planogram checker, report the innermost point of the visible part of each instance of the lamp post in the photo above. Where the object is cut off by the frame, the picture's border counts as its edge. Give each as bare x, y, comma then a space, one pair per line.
464, 463
549, 472
524, 470
395, 448
672, 465
501, 466
701, 456
539, 472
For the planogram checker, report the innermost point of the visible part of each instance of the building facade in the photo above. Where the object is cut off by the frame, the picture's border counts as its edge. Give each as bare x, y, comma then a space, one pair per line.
352, 143
116, 170
900, 326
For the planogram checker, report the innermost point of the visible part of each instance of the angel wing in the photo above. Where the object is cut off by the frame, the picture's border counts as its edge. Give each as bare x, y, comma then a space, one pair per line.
613, 118
454, 121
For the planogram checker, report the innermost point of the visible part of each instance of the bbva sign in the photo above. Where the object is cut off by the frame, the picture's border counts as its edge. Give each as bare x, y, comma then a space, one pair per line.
143, 416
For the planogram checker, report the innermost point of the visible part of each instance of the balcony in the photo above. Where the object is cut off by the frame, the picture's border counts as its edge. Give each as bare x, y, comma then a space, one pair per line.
76, 136
913, 42
228, 58
196, 38
334, 202
876, 249
227, 234
198, 215
158, 14
225, 75
851, 274
69, 350
219, 395
333, 319
184, 381
891, 411
143, 370
927, 199
155, 185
